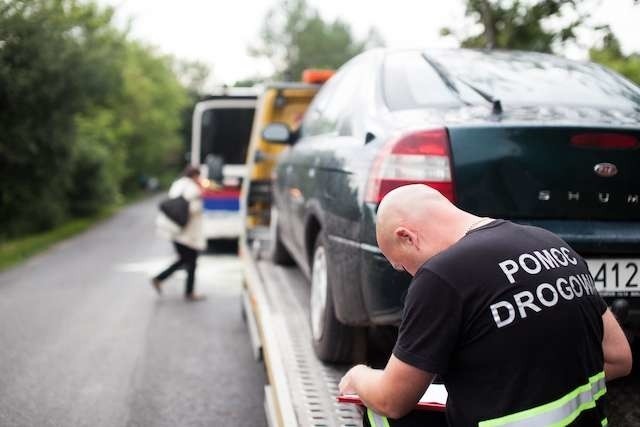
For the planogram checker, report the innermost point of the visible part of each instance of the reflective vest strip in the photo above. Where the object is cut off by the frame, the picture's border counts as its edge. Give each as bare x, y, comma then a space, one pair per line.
560, 412
604, 422
376, 420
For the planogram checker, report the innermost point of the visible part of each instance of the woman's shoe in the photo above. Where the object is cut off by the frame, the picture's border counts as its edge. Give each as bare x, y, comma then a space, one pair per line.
157, 285
195, 297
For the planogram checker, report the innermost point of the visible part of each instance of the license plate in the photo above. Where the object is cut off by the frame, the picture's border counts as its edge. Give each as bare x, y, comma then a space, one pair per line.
616, 277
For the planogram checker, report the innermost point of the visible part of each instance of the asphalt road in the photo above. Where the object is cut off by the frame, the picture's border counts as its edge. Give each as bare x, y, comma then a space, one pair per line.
85, 341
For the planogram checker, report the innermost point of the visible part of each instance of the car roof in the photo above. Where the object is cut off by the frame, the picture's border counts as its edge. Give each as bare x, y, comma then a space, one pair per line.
474, 53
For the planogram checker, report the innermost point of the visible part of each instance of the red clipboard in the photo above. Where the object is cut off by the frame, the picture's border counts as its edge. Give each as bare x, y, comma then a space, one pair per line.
433, 400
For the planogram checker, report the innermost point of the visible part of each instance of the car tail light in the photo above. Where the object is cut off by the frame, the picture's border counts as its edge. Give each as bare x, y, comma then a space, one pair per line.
611, 141
421, 157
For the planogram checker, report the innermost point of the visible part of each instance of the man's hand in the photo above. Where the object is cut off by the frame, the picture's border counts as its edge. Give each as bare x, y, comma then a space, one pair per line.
391, 392
347, 383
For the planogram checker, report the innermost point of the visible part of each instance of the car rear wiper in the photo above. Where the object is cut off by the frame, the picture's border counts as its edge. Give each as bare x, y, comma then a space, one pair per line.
444, 76
448, 81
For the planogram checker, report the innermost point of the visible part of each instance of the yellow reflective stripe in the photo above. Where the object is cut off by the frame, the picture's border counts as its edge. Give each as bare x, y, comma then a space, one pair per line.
559, 412
604, 422
587, 405
370, 415
601, 392
376, 420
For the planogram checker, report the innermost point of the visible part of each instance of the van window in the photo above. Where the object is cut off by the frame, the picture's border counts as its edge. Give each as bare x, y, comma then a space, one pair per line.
225, 133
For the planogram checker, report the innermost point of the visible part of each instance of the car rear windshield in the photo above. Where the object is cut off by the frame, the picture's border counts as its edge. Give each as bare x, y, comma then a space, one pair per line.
414, 79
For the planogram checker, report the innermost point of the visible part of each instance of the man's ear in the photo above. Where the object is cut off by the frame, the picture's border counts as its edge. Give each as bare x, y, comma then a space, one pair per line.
405, 236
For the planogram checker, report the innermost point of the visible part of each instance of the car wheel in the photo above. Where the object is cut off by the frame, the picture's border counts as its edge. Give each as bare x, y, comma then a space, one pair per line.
278, 254
333, 341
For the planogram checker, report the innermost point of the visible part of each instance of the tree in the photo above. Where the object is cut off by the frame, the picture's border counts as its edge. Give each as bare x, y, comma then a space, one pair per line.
85, 112
519, 24
248, 82
193, 75
151, 110
47, 76
294, 37
610, 54
140, 124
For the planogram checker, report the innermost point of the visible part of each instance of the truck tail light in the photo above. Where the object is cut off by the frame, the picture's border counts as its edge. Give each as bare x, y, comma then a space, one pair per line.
317, 76
421, 157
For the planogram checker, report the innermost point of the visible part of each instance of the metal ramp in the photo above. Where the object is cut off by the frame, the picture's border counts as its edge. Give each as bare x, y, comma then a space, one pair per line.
302, 390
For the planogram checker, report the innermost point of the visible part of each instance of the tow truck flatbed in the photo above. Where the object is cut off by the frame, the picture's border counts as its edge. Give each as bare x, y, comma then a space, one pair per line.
302, 390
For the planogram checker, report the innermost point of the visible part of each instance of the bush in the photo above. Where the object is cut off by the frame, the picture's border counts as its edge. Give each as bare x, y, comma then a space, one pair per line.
94, 186
84, 112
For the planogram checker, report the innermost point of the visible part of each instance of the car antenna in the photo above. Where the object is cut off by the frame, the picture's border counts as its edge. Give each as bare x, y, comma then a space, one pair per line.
495, 102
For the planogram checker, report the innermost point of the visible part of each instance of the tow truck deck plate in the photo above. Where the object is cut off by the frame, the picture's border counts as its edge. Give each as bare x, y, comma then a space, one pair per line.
300, 383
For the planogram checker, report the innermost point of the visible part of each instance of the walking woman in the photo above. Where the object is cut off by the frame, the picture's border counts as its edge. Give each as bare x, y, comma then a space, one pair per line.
187, 240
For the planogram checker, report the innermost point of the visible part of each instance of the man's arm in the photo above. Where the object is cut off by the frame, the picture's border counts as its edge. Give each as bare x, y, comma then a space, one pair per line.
617, 354
392, 392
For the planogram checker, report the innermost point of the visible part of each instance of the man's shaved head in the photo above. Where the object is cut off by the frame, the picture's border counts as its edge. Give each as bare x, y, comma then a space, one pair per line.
415, 222
406, 205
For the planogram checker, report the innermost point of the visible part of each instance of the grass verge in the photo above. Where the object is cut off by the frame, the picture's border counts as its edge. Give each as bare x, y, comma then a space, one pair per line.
17, 250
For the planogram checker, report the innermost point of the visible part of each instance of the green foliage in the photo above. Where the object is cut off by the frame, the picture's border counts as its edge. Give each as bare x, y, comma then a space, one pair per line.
519, 24
610, 55
294, 37
248, 82
193, 74
85, 112
98, 163
152, 100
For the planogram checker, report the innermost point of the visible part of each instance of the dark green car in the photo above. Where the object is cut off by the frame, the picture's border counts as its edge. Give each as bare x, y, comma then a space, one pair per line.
524, 136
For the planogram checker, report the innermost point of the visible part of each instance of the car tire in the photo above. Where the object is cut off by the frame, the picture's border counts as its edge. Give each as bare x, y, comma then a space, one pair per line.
333, 341
278, 253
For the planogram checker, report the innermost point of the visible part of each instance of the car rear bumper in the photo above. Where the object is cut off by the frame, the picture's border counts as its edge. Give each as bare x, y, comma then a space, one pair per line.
627, 311
370, 292
602, 239
594, 238
384, 288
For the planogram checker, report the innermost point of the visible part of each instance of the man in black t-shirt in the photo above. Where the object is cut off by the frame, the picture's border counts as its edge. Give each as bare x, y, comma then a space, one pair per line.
506, 315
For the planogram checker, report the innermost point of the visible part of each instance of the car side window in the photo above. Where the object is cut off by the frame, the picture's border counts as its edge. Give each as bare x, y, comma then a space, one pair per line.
340, 106
329, 112
313, 123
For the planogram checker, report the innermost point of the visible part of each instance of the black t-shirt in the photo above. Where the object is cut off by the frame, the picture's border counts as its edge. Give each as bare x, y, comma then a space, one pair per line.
510, 320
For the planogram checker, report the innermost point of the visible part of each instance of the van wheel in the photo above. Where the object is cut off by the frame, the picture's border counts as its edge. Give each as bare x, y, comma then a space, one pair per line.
333, 341
278, 254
